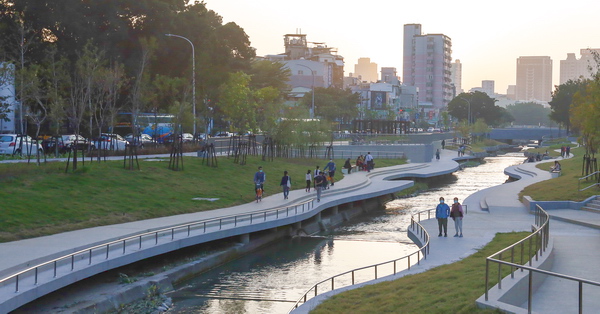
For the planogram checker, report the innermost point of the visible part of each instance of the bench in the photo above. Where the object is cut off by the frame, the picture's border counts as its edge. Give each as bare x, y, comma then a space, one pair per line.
352, 168
555, 174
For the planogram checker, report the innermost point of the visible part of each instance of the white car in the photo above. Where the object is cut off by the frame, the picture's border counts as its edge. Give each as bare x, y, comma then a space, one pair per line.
140, 140
13, 144
110, 141
187, 137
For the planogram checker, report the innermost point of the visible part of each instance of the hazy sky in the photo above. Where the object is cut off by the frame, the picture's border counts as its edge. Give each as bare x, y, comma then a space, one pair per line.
487, 36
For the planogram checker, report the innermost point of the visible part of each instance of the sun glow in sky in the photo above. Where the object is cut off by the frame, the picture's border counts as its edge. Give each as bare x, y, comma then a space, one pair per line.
487, 36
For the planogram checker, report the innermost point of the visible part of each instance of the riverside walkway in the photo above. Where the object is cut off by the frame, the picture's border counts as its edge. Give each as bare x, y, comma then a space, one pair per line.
576, 250
20, 255
491, 210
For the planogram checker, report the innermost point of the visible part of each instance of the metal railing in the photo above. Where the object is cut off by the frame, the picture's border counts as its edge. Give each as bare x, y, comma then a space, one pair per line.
597, 173
533, 246
135, 242
422, 251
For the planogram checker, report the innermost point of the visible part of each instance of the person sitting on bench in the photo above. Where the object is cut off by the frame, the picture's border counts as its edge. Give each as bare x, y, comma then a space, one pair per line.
556, 167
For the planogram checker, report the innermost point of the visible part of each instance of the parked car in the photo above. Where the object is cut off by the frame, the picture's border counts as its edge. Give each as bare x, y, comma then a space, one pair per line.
224, 134
14, 144
66, 142
110, 141
140, 140
187, 137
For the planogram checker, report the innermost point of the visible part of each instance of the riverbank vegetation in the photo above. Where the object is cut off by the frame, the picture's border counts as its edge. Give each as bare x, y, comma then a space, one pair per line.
565, 187
42, 200
451, 288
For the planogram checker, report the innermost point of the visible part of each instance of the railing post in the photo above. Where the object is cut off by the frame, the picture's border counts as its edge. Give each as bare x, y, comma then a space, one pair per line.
487, 274
522, 253
530, 292
17, 284
512, 261
36, 276
352, 277
580, 297
500, 272
332, 280
375, 271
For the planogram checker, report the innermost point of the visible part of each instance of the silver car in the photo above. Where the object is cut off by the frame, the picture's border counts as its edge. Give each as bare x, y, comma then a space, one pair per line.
14, 144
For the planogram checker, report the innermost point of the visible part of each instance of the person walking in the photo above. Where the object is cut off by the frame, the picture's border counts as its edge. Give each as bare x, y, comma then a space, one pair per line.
568, 151
259, 179
369, 159
316, 173
442, 211
308, 180
437, 154
457, 215
319, 182
331, 167
443, 144
286, 183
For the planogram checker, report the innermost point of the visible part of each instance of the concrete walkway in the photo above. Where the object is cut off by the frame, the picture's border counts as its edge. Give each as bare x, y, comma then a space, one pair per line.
19, 255
491, 211
498, 209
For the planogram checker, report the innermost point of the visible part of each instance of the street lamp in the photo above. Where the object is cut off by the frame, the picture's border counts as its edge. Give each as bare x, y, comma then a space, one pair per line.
469, 114
312, 107
193, 78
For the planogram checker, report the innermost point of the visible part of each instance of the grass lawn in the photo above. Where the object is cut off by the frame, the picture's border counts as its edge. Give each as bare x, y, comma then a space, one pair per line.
563, 188
449, 288
42, 200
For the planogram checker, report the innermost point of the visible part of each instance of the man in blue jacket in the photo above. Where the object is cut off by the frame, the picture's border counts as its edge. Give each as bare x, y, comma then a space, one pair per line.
331, 167
259, 179
442, 211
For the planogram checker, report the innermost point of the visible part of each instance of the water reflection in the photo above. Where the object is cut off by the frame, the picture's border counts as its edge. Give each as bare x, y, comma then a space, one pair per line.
268, 281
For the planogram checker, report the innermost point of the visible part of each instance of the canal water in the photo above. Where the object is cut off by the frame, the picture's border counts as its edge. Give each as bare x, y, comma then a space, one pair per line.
272, 279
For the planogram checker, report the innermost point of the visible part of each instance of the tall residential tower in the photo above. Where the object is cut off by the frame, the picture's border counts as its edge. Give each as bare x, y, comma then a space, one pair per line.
427, 66
534, 78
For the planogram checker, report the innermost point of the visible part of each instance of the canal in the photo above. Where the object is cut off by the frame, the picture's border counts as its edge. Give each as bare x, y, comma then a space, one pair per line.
272, 279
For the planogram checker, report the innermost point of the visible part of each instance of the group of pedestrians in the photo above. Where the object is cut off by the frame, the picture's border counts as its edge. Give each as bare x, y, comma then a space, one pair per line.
319, 179
443, 211
565, 151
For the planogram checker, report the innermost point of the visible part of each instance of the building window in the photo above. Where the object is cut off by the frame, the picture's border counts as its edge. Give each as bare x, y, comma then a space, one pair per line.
300, 72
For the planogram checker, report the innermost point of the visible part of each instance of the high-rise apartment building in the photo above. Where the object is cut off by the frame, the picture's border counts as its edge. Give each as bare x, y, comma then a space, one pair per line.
488, 87
456, 75
366, 69
574, 69
389, 75
426, 65
534, 78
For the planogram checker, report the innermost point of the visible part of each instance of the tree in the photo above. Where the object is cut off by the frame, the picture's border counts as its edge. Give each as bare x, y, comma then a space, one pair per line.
562, 99
585, 114
529, 113
481, 106
333, 104
236, 103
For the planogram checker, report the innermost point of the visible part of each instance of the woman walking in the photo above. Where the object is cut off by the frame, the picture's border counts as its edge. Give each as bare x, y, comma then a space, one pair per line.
286, 183
308, 180
457, 215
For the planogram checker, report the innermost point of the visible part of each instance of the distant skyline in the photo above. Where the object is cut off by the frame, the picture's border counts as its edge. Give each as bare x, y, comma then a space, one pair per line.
487, 36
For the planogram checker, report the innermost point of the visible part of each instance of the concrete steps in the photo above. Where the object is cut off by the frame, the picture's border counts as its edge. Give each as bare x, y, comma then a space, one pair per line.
592, 206
584, 218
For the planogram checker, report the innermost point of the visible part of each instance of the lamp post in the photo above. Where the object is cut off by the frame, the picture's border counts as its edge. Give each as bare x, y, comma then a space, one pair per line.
193, 77
469, 113
312, 107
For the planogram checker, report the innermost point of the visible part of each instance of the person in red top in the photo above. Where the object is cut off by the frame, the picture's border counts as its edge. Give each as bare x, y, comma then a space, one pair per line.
457, 215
